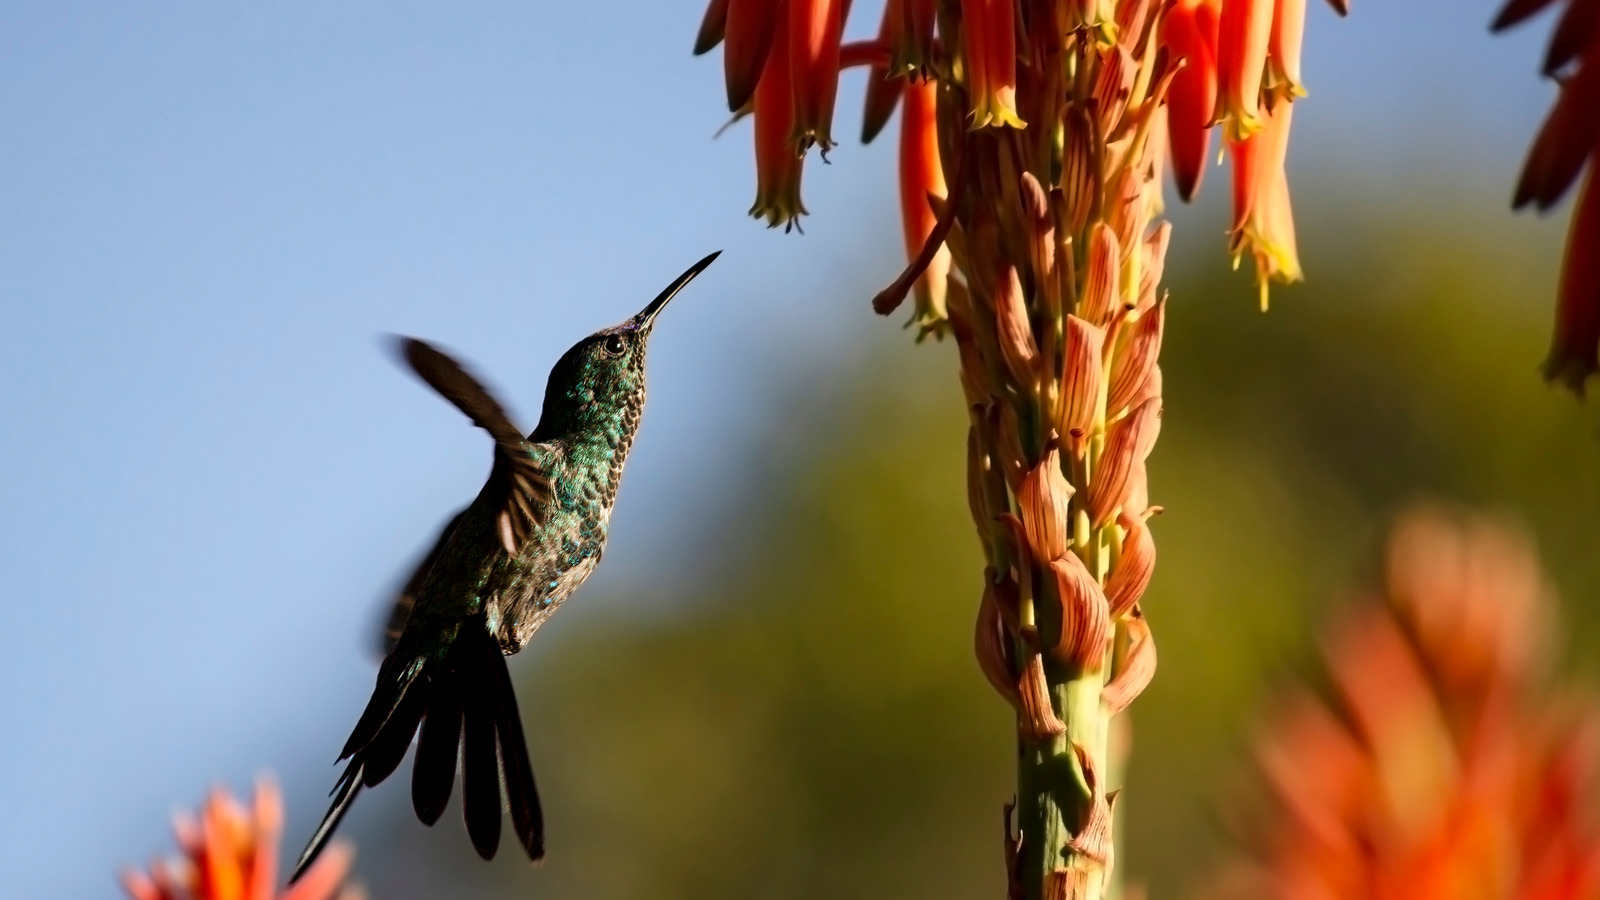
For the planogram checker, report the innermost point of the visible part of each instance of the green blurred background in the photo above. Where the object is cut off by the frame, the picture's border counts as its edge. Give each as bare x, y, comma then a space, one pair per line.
809, 721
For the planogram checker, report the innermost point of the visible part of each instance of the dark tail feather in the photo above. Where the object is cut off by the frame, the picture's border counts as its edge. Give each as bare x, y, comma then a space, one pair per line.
463, 703
433, 771
494, 753
522, 795
345, 791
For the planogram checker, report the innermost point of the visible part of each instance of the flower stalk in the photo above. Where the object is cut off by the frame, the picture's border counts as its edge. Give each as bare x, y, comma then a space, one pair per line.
1035, 137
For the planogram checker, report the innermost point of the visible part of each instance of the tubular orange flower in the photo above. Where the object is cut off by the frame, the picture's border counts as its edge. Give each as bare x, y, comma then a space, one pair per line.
1190, 32
815, 30
911, 49
231, 853
1244, 37
991, 62
749, 27
883, 92
921, 177
1263, 222
1283, 51
778, 166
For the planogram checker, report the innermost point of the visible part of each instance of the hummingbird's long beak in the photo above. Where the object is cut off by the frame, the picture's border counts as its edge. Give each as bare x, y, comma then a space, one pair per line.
647, 318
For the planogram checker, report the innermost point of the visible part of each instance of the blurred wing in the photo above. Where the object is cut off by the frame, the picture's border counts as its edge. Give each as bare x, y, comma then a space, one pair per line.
400, 610
456, 384
519, 487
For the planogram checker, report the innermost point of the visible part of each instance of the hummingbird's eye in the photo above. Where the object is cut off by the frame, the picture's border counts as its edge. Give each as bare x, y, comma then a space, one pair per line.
615, 346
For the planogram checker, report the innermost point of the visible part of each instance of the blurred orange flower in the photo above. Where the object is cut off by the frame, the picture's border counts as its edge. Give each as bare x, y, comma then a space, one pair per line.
231, 853
1434, 762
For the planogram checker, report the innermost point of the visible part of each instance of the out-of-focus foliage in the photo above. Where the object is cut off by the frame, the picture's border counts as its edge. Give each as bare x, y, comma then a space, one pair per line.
813, 725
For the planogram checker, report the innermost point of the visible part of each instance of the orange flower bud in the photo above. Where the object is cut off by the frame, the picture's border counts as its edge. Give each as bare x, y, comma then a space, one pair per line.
1102, 287
883, 90
1013, 329
1263, 222
1283, 51
1128, 441
911, 51
1576, 345
1128, 580
711, 27
922, 176
1136, 668
750, 26
1085, 615
990, 32
1039, 720
1244, 34
1043, 502
1134, 364
816, 28
778, 168
989, 643
1189, 31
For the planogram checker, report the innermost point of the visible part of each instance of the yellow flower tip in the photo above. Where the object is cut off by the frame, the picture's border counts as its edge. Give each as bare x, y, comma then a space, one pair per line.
996, 110
1240, 126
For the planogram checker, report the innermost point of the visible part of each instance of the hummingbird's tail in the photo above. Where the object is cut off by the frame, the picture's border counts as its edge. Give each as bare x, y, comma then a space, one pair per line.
464, 704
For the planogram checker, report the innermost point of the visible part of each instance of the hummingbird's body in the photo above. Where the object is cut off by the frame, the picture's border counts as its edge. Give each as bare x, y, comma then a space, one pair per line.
497, 572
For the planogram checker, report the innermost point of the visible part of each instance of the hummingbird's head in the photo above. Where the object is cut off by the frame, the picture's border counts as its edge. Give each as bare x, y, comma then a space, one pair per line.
605, 371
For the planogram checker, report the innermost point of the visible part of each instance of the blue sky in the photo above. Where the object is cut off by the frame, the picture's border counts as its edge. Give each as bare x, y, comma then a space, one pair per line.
210, 214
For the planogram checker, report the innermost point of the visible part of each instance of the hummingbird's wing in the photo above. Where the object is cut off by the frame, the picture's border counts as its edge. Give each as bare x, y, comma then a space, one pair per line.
406, 599
519, 487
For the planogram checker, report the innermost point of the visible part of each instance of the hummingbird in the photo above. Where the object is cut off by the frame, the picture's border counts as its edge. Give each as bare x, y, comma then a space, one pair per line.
497, 571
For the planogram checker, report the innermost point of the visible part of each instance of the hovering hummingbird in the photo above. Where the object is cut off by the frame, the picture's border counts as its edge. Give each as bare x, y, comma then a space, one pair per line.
495, 574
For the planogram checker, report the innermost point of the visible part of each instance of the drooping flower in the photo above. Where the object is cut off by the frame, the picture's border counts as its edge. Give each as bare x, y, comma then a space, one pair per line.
750, 27
1263, 221
1244, 38
991, 60
1434, 765
1189, 32
1569, 138
231, 853
815, 29
922, 177
778, 165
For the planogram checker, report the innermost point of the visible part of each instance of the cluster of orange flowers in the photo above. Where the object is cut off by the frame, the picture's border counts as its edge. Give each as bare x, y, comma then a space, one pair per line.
1568, 141
231, 853
1433, 767
1229, 62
